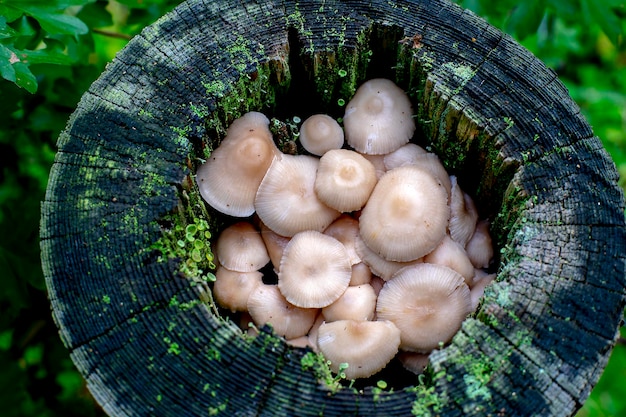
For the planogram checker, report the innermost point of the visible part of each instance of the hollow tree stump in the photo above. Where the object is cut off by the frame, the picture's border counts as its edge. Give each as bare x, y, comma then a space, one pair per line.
145, 335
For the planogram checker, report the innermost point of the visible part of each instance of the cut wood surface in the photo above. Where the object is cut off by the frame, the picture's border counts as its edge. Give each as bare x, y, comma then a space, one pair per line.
145, 335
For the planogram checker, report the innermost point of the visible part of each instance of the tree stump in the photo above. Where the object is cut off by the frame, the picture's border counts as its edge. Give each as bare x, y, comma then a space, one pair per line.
145, 334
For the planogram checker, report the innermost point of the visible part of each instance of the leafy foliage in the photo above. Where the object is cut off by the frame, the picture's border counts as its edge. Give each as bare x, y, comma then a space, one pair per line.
52, 50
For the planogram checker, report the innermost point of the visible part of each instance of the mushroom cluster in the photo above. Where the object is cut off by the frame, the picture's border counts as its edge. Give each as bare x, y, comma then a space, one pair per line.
377, 251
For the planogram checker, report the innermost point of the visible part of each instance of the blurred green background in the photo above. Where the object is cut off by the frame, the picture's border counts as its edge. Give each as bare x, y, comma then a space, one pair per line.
51, 51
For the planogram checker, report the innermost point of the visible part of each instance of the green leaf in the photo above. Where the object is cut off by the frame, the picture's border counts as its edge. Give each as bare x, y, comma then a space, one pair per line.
6, 67
24, 77
58, 24
5, 30
601, 13
526, 18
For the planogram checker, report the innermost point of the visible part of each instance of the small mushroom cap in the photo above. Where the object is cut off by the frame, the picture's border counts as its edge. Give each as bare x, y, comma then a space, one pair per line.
275, 245
267, 305
361, 274
378, 161
240, 248
229, 179
366, 346
346, 230
404, 155
232, 289
314, 271
480, 282
463, 214
378, 265
427, 302
344, 180
414, 362
479, 248
406, 215
451, 254
356, 303
378, 118
286, 201
320, 133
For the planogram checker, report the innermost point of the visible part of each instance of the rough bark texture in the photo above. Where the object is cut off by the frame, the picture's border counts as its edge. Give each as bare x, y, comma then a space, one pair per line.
498, 118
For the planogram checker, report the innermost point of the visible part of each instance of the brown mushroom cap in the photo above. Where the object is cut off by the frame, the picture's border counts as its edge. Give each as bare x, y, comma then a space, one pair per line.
240, 248
479, 248
366, 346
267, 305
320, 133
344, 180
229, 179
463, 214
286, 201
427, 302
361, 274
232, 289
314, 271
406, 215
378, 118
356, 303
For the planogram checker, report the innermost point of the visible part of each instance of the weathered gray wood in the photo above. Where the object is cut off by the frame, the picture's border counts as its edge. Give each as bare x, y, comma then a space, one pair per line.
496, 115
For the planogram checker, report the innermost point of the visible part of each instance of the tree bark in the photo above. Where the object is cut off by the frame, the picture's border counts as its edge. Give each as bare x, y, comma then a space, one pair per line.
498, 118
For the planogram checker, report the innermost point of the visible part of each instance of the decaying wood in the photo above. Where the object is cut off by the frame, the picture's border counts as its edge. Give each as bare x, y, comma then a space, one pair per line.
500, 120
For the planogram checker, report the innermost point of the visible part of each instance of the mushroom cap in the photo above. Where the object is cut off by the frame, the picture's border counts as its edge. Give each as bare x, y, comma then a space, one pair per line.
344, 180
361, 274
378, 119
378, 161
404, 155
286, 201
240, 248
267, 305
479, 248
314, 271
320, 133
427, 302
480, 282
275, 245
366, 346
378, 265
229, 179
232, 289
463, 214
414, 362
406, 215
451, 254
356, 303
346, 230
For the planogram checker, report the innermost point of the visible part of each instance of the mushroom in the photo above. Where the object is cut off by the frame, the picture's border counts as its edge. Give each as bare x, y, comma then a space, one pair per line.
346, 230
366, 346
275, 245
232, 289
229, 179
361, 274
344, 180
320, 133
463, 214
427, 302
479, 248
356, 303
267, 305
406, 215
378, 161
414, 362
379, 118
404, 155
451, 254
479, 283
314, 270
286, 201
378, 265
240, 248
